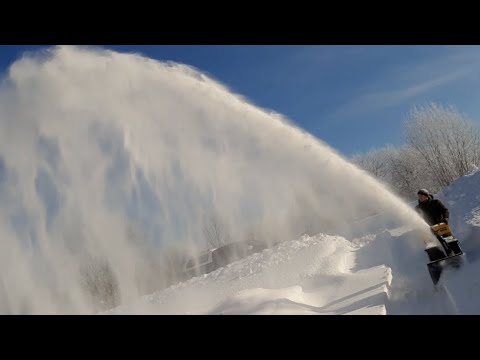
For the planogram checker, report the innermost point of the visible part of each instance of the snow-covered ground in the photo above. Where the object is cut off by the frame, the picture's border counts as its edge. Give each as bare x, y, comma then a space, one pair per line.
312, 275
382, 272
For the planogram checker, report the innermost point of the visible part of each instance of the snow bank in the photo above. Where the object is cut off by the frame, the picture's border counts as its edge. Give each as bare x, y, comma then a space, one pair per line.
463, 201
312, 275
382, 270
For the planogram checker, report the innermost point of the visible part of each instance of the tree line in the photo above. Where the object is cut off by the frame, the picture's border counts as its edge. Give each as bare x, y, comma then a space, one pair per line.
440, 145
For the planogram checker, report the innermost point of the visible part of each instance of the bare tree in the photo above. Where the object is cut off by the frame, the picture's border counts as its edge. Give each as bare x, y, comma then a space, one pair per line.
374, 162
100, 283
446, 139
403, 169
215, 231
408, 172
441, 145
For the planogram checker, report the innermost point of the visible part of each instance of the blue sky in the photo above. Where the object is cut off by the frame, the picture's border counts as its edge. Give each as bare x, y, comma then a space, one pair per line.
352, 97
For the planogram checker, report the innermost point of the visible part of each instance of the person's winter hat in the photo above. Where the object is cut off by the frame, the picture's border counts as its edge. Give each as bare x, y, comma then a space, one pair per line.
423, 192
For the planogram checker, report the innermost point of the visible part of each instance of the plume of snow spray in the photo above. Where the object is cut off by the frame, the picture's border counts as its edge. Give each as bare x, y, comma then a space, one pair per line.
115, 166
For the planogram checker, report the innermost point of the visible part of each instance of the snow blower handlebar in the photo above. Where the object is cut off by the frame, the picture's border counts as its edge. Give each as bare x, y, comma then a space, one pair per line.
450, 257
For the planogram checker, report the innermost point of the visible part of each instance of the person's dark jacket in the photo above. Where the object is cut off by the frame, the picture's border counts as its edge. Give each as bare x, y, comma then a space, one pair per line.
433, 211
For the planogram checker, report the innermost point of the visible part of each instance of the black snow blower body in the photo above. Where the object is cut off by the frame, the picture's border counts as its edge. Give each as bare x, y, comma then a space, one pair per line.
446, 254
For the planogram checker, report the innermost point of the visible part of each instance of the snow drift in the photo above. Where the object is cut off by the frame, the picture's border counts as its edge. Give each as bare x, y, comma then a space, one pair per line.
379, 272
307, 276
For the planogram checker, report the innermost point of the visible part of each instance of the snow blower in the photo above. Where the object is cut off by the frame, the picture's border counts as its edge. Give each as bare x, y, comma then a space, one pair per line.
446, 254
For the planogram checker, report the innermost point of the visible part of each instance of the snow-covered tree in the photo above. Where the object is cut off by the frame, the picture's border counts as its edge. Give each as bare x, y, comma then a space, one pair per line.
374, 162
408, 172
446, 139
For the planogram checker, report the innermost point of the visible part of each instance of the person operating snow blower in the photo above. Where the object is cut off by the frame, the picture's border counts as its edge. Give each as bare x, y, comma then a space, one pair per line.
436, 214
432, 210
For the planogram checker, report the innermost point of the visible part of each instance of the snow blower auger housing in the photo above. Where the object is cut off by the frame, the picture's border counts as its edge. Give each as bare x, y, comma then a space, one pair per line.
446, 254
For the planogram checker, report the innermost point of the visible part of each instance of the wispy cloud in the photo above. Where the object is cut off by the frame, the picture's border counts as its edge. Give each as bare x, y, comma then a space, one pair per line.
403, 83
379, 100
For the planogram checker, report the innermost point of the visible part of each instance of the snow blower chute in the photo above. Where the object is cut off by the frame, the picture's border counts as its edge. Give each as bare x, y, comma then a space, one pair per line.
446, 254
